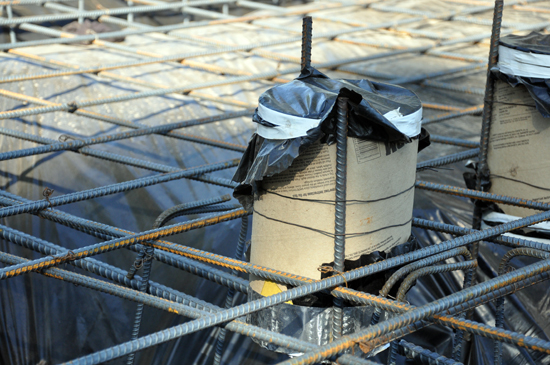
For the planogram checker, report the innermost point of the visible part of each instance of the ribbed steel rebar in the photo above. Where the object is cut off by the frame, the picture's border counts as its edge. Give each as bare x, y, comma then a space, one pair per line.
409, 257
112, 189
120, 122
394, 278
453, 141
468, 111
239, 253
98, 13
131, 161
340, 207
499, 315
119, 243
479, 195
446, 160
102, 269
176, 57
424, 356
413, 276
461, 231
169, 305
483, 169
181, 209
335, 347
147, 254
292, 279
489, 86
455, 322
377, 267
422, 312
104, 231
307, 28
213, 209
78, 143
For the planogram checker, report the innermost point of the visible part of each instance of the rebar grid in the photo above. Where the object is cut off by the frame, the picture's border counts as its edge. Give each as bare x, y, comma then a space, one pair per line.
176, 255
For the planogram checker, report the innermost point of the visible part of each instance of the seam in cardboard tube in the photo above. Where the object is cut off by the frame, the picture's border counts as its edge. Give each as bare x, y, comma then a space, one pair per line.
329, 234
332, 202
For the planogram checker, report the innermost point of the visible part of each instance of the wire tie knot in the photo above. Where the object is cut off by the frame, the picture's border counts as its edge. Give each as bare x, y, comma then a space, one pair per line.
72, 107
46, 194
326, 269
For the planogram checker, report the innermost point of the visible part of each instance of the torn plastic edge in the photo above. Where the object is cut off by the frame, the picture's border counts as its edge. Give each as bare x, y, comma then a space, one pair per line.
543, 227
288, 126
515, 62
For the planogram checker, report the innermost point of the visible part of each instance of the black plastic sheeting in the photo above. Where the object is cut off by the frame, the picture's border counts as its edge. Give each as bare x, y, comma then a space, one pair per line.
43, 319
538, 88
314, 95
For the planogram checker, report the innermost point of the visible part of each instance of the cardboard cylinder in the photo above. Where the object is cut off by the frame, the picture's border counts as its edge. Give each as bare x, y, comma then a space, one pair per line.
293, 225
518, 148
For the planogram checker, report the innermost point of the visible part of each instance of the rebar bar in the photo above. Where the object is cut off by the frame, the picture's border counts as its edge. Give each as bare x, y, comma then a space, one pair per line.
479, 195
340, 208
78, 143
508, 241
418, 353
102, 269
143, 298
429, 270
119, 243
307, 27
489, 286
104, 231
453, 141
499, 312
112, 189
98, 13
446, 160
239, 253
335, 347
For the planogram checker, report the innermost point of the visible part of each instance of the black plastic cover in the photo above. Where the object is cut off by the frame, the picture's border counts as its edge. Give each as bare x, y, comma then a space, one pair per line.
538, 88
314, 95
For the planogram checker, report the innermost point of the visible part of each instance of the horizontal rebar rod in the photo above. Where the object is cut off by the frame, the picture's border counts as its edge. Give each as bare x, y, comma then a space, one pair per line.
480, 195
107, 232
376, 299
232, 313
419, 313
508, 241
104, 270
446, 160
113, 11
82, 142
114, 188
124, 123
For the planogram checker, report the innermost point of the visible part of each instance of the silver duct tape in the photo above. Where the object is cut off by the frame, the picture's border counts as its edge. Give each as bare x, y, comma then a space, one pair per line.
311, 324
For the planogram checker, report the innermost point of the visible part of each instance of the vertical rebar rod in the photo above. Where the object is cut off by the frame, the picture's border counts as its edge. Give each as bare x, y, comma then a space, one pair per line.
340, 208
499, 303
483, 170
186, 17
307, 27
239, 253
130, 16
80, 10
13, 39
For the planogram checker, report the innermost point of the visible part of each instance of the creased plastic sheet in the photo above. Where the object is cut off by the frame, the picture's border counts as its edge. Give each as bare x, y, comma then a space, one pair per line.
525, 60
292, 116
46, 319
